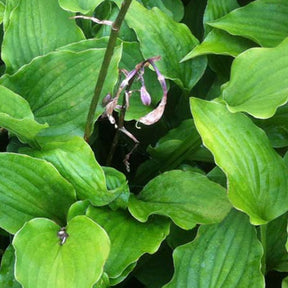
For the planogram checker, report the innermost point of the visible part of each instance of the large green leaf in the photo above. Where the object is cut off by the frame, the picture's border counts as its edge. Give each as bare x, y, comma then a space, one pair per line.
219, 42
186, 197
78, 262
216, 9
172, 45
17, 117
129, 238
75, 161
30, 188
82, 6
213, 259
251, 22
7, 278
263, 87
257, 175
65, 81
33, 30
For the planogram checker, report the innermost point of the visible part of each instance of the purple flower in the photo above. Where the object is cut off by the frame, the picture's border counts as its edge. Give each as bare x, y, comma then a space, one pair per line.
145, 96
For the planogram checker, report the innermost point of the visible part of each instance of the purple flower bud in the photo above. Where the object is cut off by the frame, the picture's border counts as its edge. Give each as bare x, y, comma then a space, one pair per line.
145, 96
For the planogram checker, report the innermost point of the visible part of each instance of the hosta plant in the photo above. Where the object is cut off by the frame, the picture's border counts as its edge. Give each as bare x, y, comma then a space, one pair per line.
143, 143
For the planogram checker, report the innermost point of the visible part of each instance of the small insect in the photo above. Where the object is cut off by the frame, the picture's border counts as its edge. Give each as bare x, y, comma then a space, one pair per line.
62, 235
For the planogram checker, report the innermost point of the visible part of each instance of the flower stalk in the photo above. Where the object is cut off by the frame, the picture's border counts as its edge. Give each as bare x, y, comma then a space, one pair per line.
104, 67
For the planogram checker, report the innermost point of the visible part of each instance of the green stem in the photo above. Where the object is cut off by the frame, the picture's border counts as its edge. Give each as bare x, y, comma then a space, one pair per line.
104, 68
263, 235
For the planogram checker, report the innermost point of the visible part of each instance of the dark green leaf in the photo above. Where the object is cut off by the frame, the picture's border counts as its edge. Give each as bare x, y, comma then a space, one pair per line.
7, 278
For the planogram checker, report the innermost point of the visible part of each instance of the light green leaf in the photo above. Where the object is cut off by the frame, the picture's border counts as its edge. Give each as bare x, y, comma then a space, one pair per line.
76, 162
216, 9
251, 22
77, 263
219, 42
17, 117
158, 34
65, 81
2, 11
77, 208
30, 188
213, 259
257, 175
38, 24
186, 197
129, 238
264, 85
7, 278
82, 6
285, 283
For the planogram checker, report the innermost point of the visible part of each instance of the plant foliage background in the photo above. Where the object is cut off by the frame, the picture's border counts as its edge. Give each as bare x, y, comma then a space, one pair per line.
198, 197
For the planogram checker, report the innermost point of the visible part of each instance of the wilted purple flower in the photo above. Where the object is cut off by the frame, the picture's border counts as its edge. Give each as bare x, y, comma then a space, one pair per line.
145, 96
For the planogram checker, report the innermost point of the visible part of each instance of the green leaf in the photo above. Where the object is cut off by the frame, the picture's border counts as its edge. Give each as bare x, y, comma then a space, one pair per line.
17, 117
30, 188
129, 238
216, 9
7, 278
243, 152
66, 83
38, 24
77, 208
276, 127
117, 185
276, 237
173, 8
263, 87
251, 22
219, 42
75, 161
82, 6
2, 11
186, 197
213, 258
150, 26
77, 263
